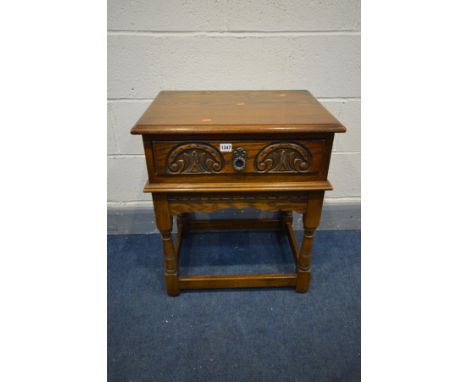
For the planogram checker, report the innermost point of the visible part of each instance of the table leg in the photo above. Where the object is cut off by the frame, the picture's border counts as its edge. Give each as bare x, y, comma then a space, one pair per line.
181, 223
311, 220
164, 224
286, 218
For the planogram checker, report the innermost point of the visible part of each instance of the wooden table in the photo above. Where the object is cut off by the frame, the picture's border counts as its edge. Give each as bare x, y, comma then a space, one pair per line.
211, 150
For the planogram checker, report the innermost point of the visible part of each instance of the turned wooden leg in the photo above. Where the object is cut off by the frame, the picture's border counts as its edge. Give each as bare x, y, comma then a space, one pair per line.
304, 264
164, 224
311, 220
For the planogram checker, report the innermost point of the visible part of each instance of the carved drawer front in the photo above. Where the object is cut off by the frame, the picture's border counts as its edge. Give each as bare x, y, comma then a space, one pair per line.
213, 158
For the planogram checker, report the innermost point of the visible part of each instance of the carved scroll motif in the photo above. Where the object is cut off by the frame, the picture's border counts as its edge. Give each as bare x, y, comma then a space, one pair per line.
283, 158
195, 158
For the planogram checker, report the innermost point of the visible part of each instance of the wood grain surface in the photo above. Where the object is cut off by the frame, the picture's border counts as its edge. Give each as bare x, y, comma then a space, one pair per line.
249, 112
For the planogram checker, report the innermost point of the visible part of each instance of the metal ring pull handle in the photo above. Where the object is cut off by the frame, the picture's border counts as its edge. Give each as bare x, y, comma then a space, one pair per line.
239, 159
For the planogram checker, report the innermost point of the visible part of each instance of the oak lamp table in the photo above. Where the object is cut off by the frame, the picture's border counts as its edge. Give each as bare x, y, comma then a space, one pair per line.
211, 150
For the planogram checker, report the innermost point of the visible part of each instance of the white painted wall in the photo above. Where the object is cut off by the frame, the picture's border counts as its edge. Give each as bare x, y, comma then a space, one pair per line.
229, 45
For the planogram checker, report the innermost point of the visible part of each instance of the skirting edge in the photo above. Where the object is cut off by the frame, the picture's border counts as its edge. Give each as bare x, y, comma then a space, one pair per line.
140, 220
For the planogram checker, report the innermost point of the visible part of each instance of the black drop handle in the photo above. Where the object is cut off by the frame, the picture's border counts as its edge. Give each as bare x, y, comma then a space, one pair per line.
239, 159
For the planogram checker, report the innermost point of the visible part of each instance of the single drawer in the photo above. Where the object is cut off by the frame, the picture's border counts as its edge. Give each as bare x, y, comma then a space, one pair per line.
212, 158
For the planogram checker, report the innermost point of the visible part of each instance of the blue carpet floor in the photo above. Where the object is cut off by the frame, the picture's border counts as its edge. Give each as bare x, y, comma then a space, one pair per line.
234, 335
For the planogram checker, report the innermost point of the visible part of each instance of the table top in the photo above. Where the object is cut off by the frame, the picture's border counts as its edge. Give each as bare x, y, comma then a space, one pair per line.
211, 112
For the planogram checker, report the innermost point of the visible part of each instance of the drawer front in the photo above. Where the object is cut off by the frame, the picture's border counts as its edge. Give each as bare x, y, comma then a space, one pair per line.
211, 158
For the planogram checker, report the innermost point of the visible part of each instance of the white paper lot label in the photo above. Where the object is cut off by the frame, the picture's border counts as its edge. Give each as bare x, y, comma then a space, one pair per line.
225, 147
